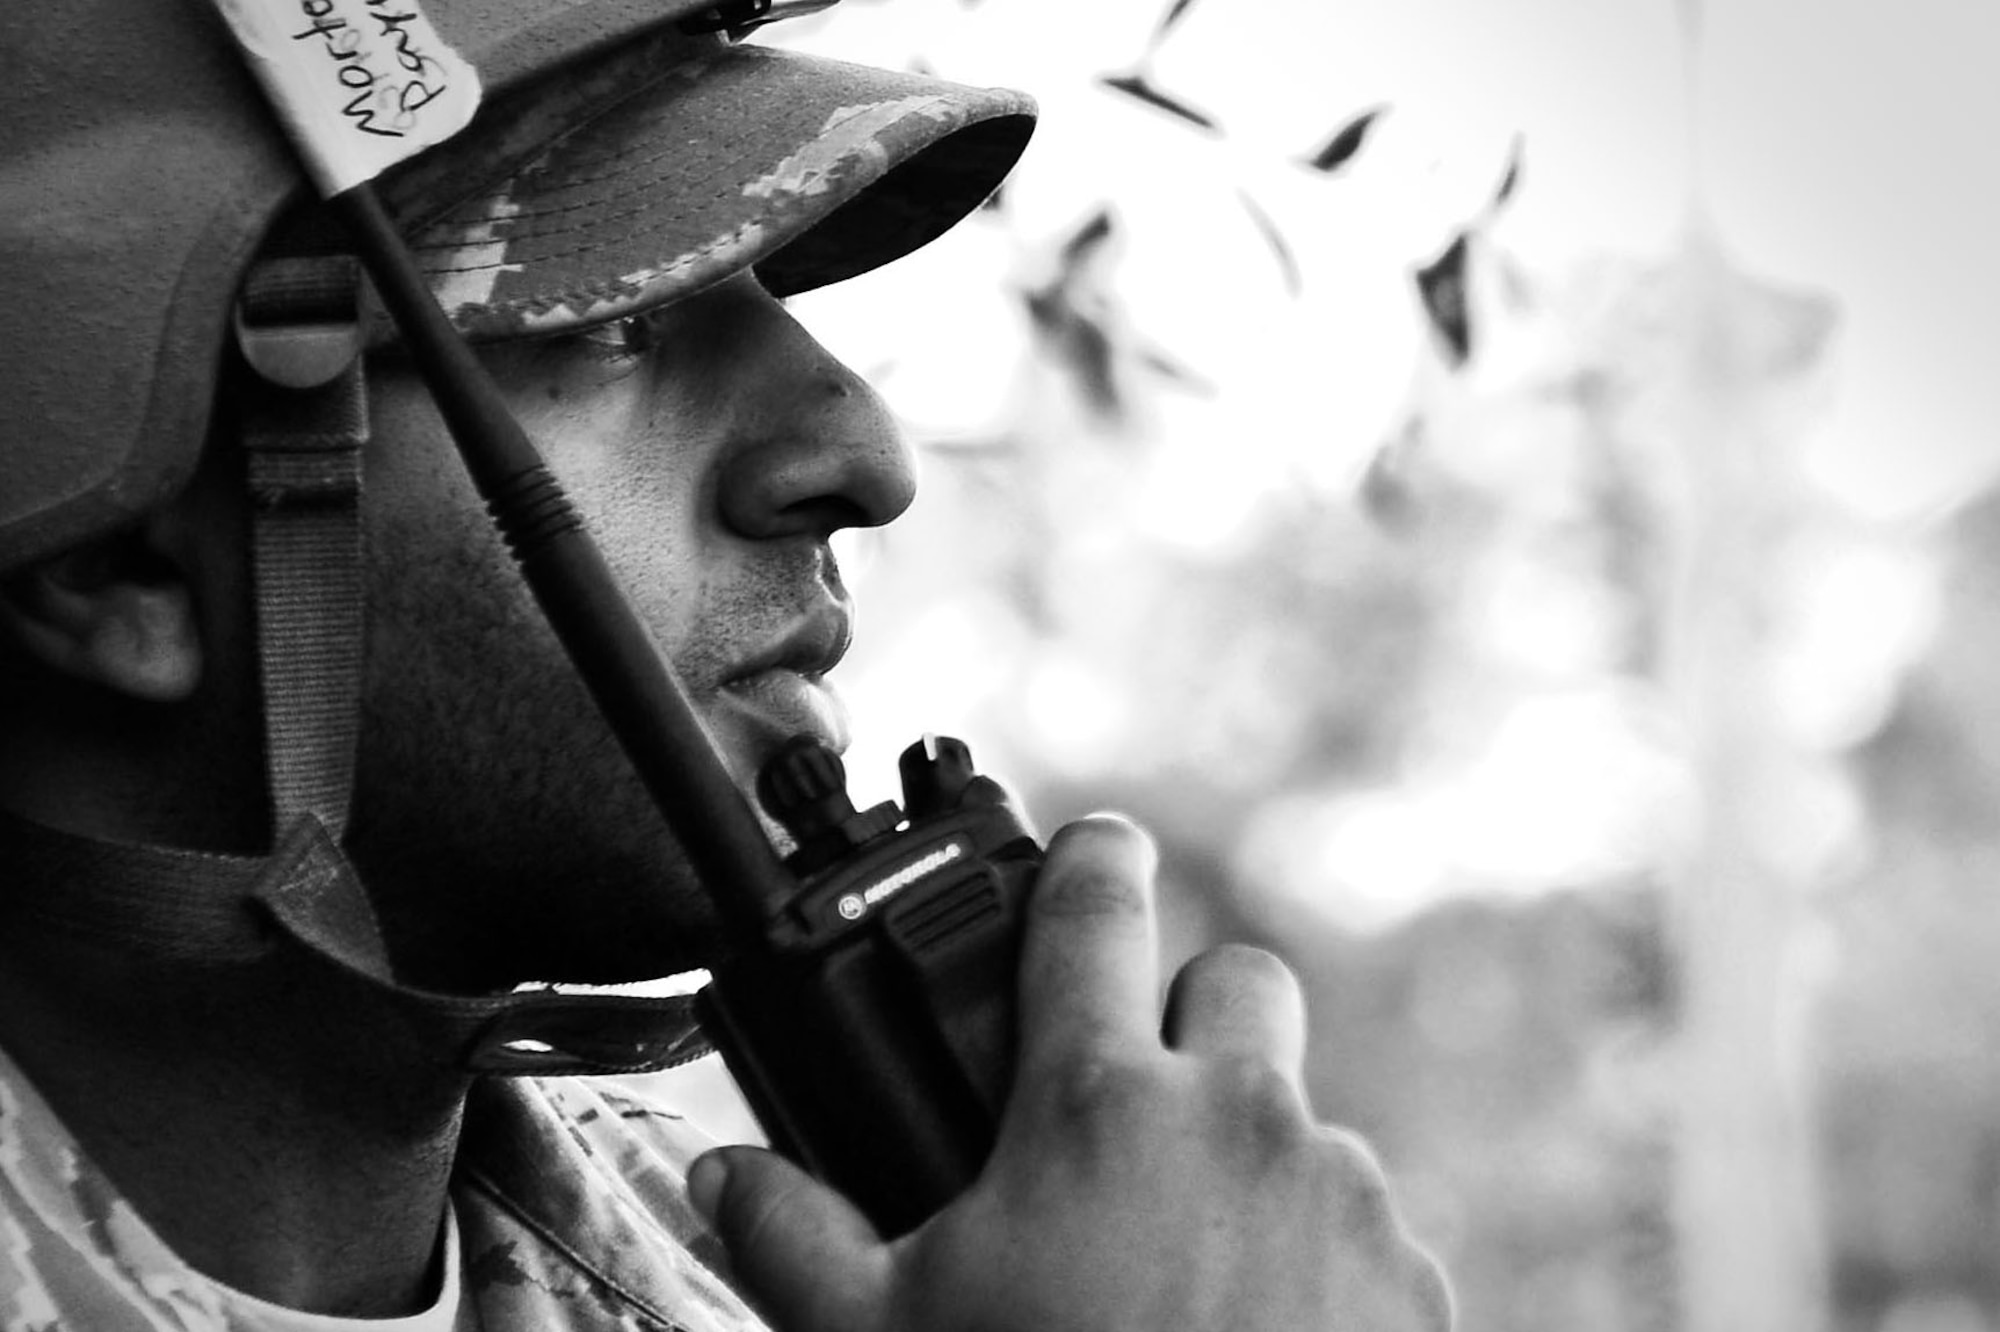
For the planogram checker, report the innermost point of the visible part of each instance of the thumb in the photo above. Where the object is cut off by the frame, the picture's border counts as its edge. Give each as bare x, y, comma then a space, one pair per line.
809, 1259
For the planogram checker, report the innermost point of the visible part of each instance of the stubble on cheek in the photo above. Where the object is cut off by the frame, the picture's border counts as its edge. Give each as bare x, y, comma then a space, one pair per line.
497, 821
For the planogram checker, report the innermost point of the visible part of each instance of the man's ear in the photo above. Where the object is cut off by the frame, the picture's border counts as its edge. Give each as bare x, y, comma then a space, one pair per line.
115, 612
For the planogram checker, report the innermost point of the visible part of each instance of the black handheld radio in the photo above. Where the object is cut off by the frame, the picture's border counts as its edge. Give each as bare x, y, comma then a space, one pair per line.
871, 1029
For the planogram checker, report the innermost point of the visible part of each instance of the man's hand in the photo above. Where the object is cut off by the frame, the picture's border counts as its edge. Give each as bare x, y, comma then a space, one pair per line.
1147, 1175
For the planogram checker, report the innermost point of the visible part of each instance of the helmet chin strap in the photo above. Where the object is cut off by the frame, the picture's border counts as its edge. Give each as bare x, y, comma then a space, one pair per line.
298, 918
304, 420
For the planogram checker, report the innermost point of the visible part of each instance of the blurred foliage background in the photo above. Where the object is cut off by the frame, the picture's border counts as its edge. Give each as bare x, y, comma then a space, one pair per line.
1501, 488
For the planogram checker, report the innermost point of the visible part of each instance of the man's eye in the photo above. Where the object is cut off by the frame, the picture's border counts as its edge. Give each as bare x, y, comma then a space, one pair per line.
622, 339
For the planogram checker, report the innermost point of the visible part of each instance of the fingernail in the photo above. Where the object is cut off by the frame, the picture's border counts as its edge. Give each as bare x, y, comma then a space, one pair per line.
705, 1179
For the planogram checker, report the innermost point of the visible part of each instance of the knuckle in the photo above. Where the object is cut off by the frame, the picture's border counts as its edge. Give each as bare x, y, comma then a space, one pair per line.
1095, 1095
1350, 1149
1431, 1293
1405, 1290
1353, 1187
1355, 1195
1262, 1107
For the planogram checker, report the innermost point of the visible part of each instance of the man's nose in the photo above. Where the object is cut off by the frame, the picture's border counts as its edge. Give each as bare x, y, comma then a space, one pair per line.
828, 453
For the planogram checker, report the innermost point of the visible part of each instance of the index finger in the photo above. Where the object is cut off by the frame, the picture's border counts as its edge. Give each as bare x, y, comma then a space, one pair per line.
1089, 955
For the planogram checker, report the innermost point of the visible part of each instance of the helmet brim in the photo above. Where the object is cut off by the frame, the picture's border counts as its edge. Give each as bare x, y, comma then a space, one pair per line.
732, 157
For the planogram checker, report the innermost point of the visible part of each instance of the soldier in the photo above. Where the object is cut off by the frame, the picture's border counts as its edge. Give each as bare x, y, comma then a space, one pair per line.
275, 869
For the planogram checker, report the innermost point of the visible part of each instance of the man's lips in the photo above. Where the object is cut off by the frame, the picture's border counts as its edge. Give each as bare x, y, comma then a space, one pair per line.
781, 691
812, 646
777, 704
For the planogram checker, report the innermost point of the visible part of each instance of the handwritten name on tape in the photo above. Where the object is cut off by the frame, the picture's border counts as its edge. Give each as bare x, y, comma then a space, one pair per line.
359, 84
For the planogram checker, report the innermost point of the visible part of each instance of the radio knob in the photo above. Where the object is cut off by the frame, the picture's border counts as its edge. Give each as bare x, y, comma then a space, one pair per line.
804, 787
935, 772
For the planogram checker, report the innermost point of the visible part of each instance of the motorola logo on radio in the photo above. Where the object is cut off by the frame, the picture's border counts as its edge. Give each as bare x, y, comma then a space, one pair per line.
852, 906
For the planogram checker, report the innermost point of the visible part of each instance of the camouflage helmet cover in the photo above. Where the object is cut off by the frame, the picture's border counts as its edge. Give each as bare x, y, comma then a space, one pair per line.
618, 162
